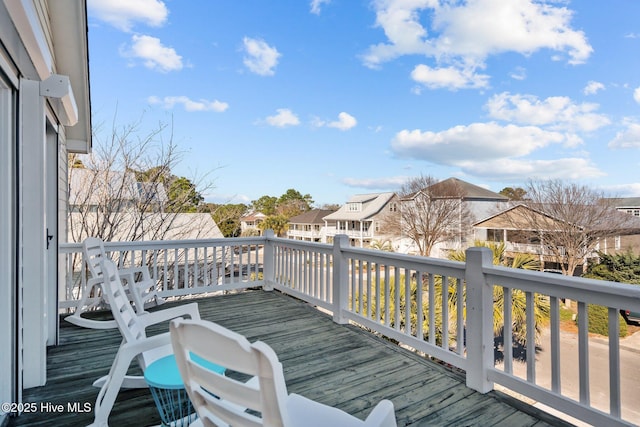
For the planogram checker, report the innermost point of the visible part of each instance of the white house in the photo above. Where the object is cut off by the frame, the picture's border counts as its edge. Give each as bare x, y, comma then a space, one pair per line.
360, 218
44, 115
310, 226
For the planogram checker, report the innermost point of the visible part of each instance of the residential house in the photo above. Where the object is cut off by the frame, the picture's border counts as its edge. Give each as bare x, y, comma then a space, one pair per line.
249, 224
475, 202
361, 218
310, 226
114, 206
630, 205
44, 115
513, 227
106, 190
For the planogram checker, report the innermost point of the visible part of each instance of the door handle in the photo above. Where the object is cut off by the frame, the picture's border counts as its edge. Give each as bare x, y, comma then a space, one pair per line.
49, 237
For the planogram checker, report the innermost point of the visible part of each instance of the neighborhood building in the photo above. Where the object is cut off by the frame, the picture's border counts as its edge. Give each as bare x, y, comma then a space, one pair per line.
360, 218
474, 203
310, 226
249, 224
512, 227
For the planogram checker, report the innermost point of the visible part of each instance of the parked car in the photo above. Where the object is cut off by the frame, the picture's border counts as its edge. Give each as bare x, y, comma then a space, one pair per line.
632, 318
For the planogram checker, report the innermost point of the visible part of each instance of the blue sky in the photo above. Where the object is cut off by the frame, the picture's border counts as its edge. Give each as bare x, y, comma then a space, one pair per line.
343, 97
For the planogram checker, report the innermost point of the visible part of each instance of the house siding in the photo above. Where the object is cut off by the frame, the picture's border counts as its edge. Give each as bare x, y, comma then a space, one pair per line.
38, 39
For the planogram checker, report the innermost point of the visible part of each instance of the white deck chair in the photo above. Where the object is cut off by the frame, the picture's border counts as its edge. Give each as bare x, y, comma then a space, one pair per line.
142, 292
135, 343
217, 398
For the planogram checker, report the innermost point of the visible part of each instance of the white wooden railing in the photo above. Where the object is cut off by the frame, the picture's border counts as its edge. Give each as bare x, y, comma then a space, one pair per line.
375, 288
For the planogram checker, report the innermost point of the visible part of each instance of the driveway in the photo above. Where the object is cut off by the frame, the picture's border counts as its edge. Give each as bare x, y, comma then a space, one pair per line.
599, 372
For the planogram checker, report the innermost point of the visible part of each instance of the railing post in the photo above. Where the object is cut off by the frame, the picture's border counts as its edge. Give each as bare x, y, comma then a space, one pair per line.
479, 324
268, 269
340, 278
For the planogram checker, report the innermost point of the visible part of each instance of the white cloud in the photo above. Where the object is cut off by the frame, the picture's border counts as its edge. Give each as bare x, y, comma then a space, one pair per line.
154, 55
628, 138
463, 34
316, 5
122, 14
260, 58
636, 95
283, 118
345, 122
518, 74
389, 183
169, 102
555, 112
448, 78
593, 87
624, 190
477, 141
522, 169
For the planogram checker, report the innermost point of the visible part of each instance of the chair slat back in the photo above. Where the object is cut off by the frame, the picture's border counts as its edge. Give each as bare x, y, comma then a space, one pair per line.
93, 250
220, 399
123, 312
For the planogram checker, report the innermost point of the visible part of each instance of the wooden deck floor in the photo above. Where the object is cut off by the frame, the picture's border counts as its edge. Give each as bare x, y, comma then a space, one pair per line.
338, 365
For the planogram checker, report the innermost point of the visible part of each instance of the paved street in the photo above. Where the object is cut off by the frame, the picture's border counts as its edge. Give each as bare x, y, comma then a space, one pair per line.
599, 371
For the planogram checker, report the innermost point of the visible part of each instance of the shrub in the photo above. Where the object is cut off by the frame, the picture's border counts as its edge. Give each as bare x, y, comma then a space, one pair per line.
599, 321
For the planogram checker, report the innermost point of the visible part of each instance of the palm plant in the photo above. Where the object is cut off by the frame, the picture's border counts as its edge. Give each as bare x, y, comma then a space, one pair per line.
518, 297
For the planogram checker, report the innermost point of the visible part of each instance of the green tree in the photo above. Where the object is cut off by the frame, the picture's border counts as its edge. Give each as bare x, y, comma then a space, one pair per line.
518, 297
265, 204
278, 223
228, 217
183, 196
514, 193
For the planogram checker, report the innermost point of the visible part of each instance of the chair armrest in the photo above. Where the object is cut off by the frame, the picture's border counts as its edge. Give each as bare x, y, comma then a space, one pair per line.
165, 314
129, 273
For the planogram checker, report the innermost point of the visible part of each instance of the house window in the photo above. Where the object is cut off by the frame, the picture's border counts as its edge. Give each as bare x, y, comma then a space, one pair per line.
618, 245
393, 207
354, 207
636, 212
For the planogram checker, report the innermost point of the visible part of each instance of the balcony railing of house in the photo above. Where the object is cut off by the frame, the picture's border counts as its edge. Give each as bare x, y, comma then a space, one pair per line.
381, 290
529, 248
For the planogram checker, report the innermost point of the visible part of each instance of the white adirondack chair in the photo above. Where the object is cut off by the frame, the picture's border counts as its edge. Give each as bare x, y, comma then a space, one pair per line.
221, 401
135, 343
139, 286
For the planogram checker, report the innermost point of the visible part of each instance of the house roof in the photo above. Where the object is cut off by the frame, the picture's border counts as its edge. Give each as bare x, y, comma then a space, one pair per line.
314, 216
625, 223
371, 205
626, 202
91, 187
253, 216
71, 47
465, 189
152, 226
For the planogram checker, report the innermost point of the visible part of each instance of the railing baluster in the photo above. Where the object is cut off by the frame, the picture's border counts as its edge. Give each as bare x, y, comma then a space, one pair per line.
507, 334
554, 325
531, 339
614, 363
583, 352
445, 311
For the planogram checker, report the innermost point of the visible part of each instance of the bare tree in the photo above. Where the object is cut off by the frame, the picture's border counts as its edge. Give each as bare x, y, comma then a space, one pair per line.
122, 190
430, 212
568, 220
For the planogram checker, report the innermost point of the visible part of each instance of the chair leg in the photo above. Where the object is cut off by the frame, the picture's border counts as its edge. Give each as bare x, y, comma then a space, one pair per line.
109, 391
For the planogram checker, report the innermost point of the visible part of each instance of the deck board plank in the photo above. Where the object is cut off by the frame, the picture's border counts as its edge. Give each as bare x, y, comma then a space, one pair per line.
339, 365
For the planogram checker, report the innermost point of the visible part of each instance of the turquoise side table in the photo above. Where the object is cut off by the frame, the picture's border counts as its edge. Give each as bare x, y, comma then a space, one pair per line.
167, 389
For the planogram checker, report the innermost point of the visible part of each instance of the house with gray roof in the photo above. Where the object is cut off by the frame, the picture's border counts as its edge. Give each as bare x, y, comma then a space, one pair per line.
310, 226
361, 217
475, 203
